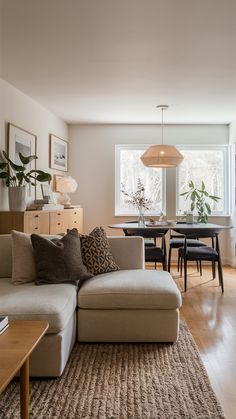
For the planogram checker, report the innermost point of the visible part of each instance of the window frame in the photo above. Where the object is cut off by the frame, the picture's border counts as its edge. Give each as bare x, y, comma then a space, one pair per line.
227, 178
132, 212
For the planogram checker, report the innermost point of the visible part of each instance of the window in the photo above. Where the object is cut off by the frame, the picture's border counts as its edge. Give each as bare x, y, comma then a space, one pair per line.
209, 164
129, 168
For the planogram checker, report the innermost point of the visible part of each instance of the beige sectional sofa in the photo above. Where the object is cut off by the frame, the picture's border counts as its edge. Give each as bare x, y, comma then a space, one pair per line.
130, 305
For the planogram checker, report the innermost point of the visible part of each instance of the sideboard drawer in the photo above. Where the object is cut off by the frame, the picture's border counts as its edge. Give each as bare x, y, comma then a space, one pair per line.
76, 219
58, 222
36, 222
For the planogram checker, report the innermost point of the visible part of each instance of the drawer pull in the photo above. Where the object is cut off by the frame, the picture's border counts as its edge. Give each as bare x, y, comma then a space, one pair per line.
58, 224
58, 213
75, 222
75, 213
36, 228
36, 216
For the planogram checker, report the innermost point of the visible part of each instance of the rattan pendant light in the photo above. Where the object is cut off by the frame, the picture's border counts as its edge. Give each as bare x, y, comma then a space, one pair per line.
161, 155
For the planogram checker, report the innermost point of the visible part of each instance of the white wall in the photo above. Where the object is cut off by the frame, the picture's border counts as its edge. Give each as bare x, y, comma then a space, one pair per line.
92, 163
21, 110
232, 238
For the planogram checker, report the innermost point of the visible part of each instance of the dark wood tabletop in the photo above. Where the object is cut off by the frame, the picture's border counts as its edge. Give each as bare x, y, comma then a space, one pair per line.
182, 228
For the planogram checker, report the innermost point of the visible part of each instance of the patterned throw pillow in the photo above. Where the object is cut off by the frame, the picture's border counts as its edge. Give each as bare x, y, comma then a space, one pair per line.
96, 252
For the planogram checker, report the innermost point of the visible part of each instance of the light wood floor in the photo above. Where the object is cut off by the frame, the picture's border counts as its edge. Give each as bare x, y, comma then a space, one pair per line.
211, 317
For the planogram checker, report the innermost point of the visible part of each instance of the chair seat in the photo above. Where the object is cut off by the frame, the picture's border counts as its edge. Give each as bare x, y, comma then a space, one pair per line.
149, 243
153, 254
176, 243
200, 253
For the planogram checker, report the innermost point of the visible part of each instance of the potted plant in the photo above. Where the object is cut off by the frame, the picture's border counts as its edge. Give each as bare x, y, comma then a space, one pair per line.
137, 199
200, 200
17, 178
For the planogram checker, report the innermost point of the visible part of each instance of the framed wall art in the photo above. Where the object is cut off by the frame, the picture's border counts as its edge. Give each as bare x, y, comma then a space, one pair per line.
58, 153
56, 179
22, 141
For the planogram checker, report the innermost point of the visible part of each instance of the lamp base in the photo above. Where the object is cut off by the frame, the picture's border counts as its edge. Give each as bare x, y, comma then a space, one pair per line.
64, 199
68, 206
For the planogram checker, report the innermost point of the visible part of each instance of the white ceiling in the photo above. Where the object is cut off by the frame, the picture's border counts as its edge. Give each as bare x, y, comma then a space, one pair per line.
113, 61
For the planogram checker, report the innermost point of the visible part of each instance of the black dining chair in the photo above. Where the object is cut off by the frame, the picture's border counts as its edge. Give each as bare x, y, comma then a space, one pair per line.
153, 252
176, 242
202, 253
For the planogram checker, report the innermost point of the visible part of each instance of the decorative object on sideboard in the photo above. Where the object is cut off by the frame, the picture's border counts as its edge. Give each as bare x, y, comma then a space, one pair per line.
162, 155
47, 194
65, 185
58, 153
47, 203
200, 200
17, 178
24, 142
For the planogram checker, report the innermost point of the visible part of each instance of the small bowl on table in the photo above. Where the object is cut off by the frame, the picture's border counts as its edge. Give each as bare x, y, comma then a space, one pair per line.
171, 223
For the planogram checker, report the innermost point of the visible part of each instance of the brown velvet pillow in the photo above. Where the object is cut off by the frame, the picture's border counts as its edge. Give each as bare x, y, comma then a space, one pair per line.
96, 252
59, 260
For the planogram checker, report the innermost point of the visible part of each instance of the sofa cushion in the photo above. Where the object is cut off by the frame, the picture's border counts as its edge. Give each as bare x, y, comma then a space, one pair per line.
23, 264
5, 256
59, 260
138, 288
96, 252
54, 303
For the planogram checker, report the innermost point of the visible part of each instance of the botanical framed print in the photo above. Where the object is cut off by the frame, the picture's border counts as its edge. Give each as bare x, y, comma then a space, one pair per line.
58, 153
24, 142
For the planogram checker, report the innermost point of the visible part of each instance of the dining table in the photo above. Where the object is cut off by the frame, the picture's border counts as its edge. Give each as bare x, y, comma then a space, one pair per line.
193, 230
178, 227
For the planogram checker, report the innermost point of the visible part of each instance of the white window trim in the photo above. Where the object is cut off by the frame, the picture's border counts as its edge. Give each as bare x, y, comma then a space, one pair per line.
132, 212
227, 178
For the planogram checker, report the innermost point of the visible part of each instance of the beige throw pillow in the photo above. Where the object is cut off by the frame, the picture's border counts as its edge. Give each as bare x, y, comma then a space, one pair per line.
23, 264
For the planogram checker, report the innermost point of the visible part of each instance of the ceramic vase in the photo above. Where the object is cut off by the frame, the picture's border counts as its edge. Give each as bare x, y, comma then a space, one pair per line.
17, 198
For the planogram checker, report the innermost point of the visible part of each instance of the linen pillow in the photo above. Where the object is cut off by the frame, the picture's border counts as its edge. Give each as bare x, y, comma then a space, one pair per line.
23, 265
96, 252
59, 261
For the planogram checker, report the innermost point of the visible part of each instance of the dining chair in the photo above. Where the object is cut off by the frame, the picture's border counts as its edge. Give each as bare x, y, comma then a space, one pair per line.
203, 253
153, 252
176, 242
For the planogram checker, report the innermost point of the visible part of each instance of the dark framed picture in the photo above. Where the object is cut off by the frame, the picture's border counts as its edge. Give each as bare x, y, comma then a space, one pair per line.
58, 153
22, 141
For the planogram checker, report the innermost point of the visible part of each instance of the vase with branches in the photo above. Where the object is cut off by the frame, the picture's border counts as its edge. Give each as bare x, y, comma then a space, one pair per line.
138, 200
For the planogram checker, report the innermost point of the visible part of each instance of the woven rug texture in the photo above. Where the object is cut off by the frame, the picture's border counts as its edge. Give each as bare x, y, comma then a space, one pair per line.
120, 381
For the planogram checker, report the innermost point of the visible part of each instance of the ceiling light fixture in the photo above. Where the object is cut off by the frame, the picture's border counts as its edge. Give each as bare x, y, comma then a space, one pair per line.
161, 155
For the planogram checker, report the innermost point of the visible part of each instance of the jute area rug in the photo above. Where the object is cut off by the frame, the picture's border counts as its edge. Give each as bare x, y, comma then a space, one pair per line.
119, 381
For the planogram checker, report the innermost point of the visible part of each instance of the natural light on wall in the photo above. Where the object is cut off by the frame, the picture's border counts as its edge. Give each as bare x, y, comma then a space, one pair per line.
129, 168
208, 164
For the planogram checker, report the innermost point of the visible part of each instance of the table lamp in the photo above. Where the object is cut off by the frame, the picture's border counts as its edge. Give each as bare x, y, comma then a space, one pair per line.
65, 185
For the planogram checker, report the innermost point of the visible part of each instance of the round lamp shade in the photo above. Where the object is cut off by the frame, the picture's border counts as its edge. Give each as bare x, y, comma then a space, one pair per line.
66, 184
164, 156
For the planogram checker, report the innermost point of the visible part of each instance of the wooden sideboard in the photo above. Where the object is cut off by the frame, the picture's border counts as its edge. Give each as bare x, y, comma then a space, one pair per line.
41, 222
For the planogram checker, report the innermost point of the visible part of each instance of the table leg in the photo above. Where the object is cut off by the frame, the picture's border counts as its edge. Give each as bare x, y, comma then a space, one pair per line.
24, 390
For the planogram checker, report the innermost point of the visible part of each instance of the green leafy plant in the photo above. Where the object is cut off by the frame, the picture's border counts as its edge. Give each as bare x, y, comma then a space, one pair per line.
17, 175
200, 200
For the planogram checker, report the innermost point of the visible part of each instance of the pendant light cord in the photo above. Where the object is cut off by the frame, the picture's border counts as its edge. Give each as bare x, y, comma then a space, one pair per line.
162, 126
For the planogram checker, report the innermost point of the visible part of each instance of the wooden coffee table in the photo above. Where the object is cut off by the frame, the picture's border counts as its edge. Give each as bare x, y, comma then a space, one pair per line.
16, 345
